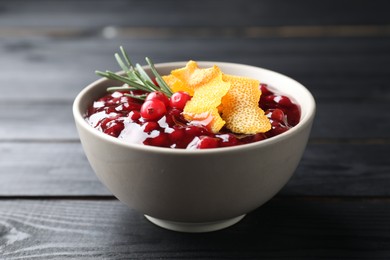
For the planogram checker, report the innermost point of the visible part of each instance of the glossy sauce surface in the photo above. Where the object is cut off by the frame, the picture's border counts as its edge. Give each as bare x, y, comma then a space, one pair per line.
119, 115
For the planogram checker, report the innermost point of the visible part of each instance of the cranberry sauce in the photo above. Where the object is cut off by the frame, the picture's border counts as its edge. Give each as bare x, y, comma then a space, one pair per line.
158, 121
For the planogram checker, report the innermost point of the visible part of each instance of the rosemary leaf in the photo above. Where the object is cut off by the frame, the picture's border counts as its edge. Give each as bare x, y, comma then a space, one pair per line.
140, 97
142, 72
126, 57
159, 79
112, 75
136, 77
119, 88
121, 63
144, 82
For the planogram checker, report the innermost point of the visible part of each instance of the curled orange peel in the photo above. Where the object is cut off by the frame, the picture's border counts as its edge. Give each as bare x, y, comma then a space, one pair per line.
240, 106
215, 94
208, 90
177, 85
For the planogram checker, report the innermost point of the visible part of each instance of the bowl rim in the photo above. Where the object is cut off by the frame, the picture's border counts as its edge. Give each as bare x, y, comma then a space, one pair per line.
304, 121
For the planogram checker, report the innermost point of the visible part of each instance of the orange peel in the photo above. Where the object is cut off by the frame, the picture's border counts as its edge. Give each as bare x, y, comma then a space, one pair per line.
240, 108
206, 88
209, 88
214, 94
177, 85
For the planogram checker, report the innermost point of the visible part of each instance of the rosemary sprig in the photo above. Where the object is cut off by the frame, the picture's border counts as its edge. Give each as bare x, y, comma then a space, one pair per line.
135, 77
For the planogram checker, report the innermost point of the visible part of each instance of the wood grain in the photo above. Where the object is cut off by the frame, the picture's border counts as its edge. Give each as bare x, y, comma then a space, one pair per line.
58, 69
88, 13
281, 229
47, 169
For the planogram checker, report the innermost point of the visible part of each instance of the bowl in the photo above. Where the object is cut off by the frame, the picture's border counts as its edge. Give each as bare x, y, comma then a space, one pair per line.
197, 190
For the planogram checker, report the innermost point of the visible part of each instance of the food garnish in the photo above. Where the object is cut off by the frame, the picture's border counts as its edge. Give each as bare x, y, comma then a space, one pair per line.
208, 89
136, 78
191, 108
240, 106
236, 97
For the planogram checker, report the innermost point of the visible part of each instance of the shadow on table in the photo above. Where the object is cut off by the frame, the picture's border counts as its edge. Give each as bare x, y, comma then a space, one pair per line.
282, 227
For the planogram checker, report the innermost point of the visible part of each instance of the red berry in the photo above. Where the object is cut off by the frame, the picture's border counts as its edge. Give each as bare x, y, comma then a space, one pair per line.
277, 130
179, 99
194, 131
110, 110
114, 128
161, 140
176, 135
158, 95
134, 115
283, 101
277, 115
206, 142
293, 115
107, 121
129, 106
153, 110
150, 126
228, 140
264, 90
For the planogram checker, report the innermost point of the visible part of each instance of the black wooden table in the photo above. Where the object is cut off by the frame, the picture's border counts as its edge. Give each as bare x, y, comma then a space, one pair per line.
336, 206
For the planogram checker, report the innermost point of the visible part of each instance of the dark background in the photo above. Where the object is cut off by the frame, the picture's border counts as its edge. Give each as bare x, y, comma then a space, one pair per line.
336, 206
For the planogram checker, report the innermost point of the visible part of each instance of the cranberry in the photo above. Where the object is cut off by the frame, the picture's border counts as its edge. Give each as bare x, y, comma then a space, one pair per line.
128, 106
228, 140
177, 135
293, 115
110, 110
276, 114
179, 99
283, 101
150, 126
194, 131
114, 128
269, 101
153, 110
277, 130
264, 90
162, 140
160, 96
207, 142
104, 123
134, 115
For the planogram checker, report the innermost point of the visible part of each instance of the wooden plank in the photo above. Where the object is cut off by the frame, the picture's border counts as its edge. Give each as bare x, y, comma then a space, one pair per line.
38, 68
39, 169
92, 14
61, 169
281, 229
342, 170
37, 121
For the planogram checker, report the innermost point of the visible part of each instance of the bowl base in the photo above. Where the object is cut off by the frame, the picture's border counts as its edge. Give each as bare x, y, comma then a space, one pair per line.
191, 227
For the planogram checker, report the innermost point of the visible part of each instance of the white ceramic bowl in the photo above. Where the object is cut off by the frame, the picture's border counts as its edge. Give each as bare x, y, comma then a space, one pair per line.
197, 190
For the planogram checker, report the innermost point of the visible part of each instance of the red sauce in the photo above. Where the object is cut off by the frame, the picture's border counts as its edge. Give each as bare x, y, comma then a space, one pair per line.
120, 116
